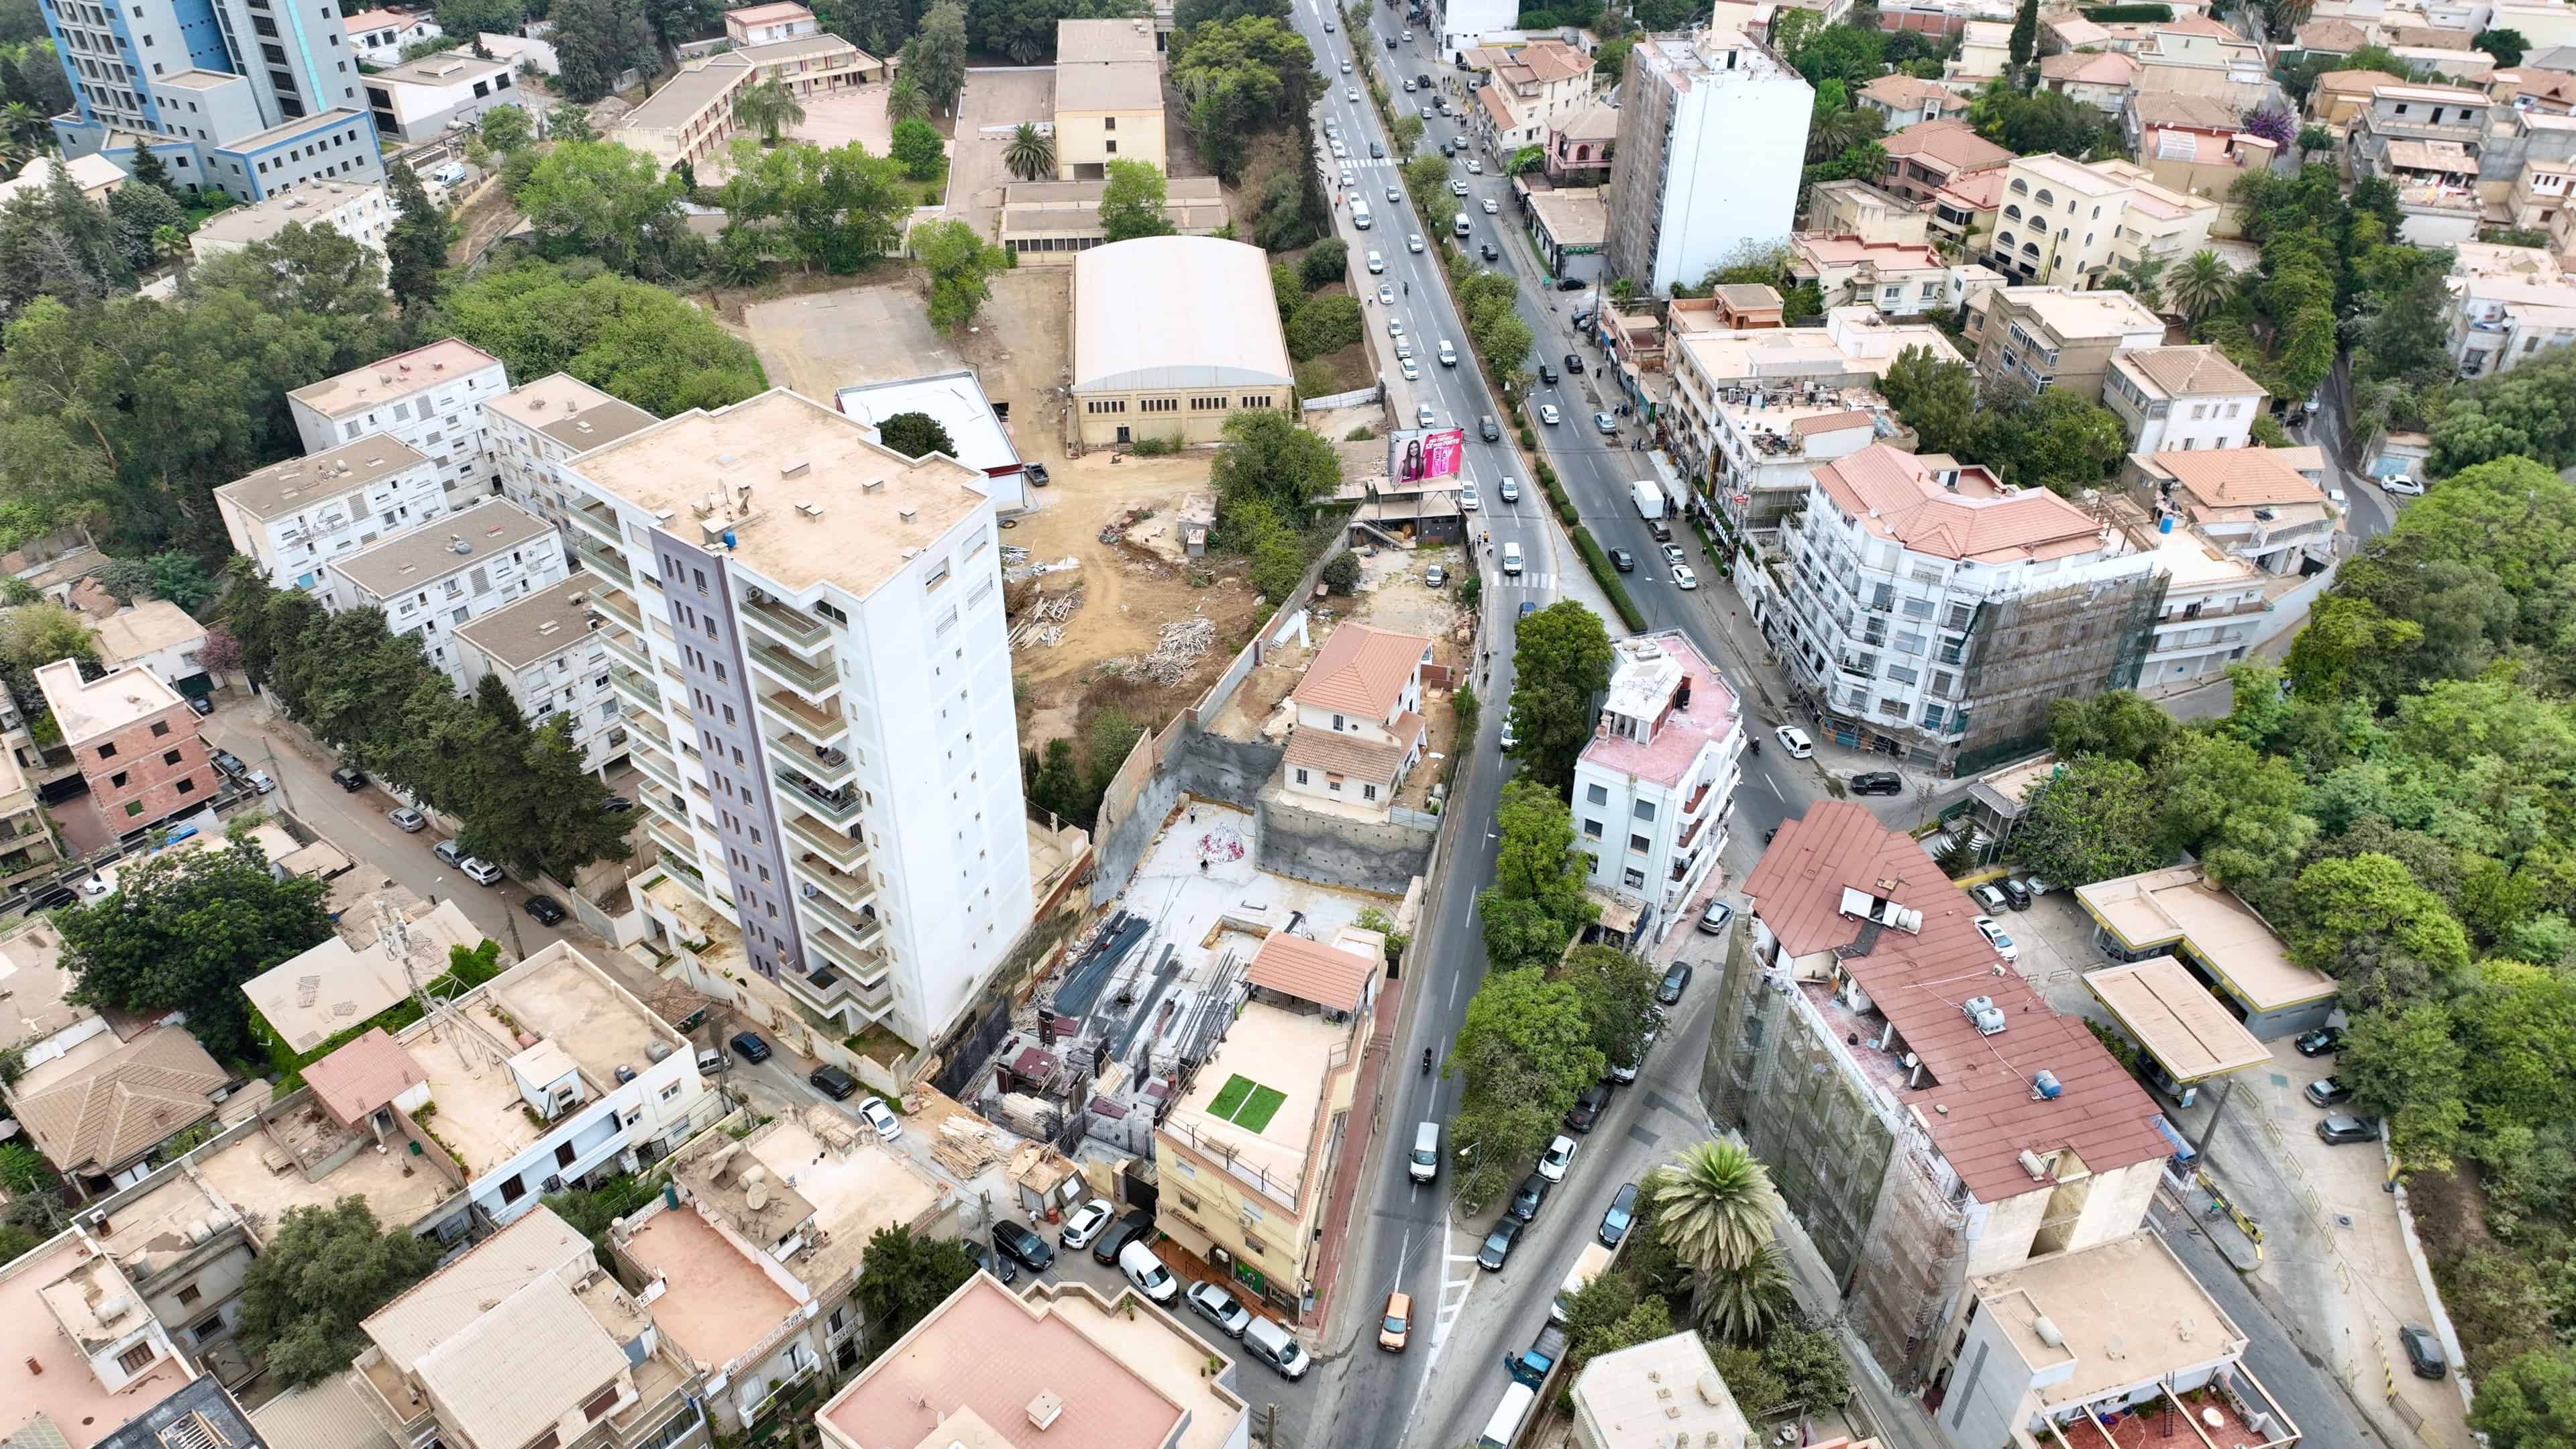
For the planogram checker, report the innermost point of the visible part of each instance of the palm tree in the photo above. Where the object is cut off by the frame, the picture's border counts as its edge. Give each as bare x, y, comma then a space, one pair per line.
170, 247
1031, 153
2202, 283
768, 108
2138, 279
905, 100
1714, 1207
1745, 1302
21, 122
1835, 132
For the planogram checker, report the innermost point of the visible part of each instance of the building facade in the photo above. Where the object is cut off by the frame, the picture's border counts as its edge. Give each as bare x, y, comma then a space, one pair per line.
532, 430
1359, 728
291, 518
136, 742
1108, 97
1712, 141
2179, 399
430, 398
543, 649
1656, 783
419, 99
2066, 223
1171, 338
134, 66
359, 211
431, 581
2043, 337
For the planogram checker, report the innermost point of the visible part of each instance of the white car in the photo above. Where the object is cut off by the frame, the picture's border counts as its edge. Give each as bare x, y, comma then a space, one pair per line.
1511, 490
1413, 243
1395, 327
1346, 67
1412, 370
259, 782
1350, 93
451, 174
1558, 1157
1795, 741
1493, 207
1385, 295
1547, 414
2403, 485
1475, 167
1376, 265
1457, 188
1087, 1222
1673, 554
1608, 425
1328, 29
1683, 578
479, 870
881, 1117
1996, 938
1422, 416
1394, 197
1468, 502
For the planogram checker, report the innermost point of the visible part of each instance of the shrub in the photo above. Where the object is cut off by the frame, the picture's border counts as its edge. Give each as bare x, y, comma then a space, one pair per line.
1342, 573
1608, 578
1323, 324
1361, 434
1327, 261
1156, 447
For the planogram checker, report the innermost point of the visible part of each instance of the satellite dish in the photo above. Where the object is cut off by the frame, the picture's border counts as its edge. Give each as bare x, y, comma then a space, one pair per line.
755, 1196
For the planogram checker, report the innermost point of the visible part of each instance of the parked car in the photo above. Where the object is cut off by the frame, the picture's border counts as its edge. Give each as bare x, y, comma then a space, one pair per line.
1623, 1211
1574, 363
749, 1046
2423, 1352
2402, 485
1878, 782
2015, 892
615, 805
1468, 502
1511, 730
2328, 1092
1684, 578
1677, 979
1795, 741
448, 174
1528, 607
259, 782
1529, 1197
448, 851
1016, 1241
1136, 1227
1436, 577
1622, 560
1558, 1159
1498, 1244
881, 1117
1422, 415
1145, 1270
991, 1262
1662, 531
1996, 938
2324, 1041
1087, 1223
202, 705
834, 1083
1673, 554
407, 820
479, 870
1395, 1325
1716, 918
1989, 898
1606, 423
1219, 1307
1548, 414
2339, 1130
2037, 886
349, 778
1586, 1112
1625, 1072
546, 909
226, 761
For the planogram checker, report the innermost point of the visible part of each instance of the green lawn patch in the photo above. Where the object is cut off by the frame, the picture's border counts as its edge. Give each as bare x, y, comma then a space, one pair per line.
1230, 1096
1246, 1103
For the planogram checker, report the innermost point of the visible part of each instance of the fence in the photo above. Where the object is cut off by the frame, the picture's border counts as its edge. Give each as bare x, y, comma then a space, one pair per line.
1342, 400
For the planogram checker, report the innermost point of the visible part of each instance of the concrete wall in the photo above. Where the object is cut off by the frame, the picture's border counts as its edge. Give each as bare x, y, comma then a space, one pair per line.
1332, 849
1185, 760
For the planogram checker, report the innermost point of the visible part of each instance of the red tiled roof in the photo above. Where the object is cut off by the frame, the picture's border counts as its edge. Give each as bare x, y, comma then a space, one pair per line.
1328, 976
1980, 1110
2237, 477
1361, 671
1363, 759
1897, 497
364, 1075
1946, 143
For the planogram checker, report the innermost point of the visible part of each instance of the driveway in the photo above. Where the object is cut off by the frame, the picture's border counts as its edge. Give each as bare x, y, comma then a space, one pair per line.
992, 106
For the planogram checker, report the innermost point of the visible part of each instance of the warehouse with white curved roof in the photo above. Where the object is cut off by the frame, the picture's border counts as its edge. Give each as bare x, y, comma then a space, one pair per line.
1173, 335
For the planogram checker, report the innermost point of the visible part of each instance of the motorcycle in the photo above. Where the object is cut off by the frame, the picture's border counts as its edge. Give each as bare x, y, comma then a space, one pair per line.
1426, 1061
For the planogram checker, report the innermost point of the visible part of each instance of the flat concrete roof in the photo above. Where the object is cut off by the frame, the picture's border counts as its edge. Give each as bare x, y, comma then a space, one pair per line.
33, 983
398, 376
954, 400
537, 627
90, 709
856, 1188
259, 1174
1123, 86
1094, 42
279, 135
282, 488
684, 95
195, 80
716, 1303
2124, 1312
44, 1375
428, 553
334, 986
2175, 906
144, 628
445, 68
1659, 1388
2176, 1019
1288, 1052
270, 215
570, 411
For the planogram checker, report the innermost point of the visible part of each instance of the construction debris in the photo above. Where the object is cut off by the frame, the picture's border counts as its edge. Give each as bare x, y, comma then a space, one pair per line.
965, 1146
1181, 644
1042, 623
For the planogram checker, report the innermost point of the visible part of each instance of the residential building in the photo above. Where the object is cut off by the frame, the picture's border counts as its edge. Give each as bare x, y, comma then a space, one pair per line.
1655, 1394
2209, 121
249, 162
80, 1357
955, 401
1359, 729
1171, 336
532, 430
1953, 171
204, 1412
1569, 227
291, 518
2539, 198
2530, 88
319, 993
2231, 950
1902, 100
102, 1112
1108, 97
2250, 501
2235, 529
1579, 146
2177, 399
136, 68
157, 637
96, 176
2340, 95
867, 862
357, 210
29, 854
2427, 142
1862, 1021
725, 1304
188, 1251
135, 740
1712, 141
2055, 337
419, 99
430, 398
1858, 209
2509, 305
2066, 223
1932, 611
1538, 86
761, 24
2105, 80
544, 650
431, 580
2216, 607
2090, 1337
992, 1366
2192, 164
527, 1339
1900, 279
1246, 1168
1985, 52
691, 117
1464, 24
378, 36
1654, 786
1049, 222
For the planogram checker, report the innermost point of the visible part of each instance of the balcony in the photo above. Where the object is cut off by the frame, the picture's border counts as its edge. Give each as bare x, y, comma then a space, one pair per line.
813, 682
818, 726
602, 560
636, 687
597, 520
649, 727
626, 648
830, 990
836, 807
843, 849
789, 624
837, 936
619, 606
657, 768
849, 901
851, 888
826, 766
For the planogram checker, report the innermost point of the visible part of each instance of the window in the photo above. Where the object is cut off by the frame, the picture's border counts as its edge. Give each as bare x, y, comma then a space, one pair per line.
1645, 810
187, 787
117, 780
160, 727
1636, 880
133, 809
136, 1359
1639, 842
107, 752
189, 1294
1596, 795
1592, 829
514, 1189
564, 1154
1301, 776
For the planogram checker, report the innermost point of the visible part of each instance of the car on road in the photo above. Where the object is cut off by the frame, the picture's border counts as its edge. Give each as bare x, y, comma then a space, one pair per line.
1087, 1223
1328, 29
1457, 187
1352, 93
2402, 485
1422, 416
226, 761
2323, 1041
881, 1117
1395, 327
1435, 577
1016, 1241
1995, 937
992, 1262
2341, 1131
1625, 1072
1136, 1227
1408, 37
479, 870
1412, 370
1622, 560
832, 1082
1511, 731
1677, 979
1547, 374
1468, 502
1395, 1325
1558, 1159
407, 820
449, 851
1394, 196
2423, 1352
1492, 207
1529, 1197
1498, 1245
1489, 252
1622, 1213
1346, 67
749, 1046
1608, 424
1683, 578
1377, 149
1390, 42
1795, 741
1219, 1307
1528, 607
545, 910
1548, 414
2328, 1092
1673, 553
1511, 490
1413, 242
1586, 1112
1488, 429
1426, 120
349, 778
1716, 918
1385, 295
1574, 363
1878, 782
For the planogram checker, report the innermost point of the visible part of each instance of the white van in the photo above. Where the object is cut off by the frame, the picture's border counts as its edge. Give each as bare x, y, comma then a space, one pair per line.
1359, 214
1448, 354
1425, 1164
1377, 264
1147, 1272
1512, 559
1460, 225
1278, 1348
1505, 1426
1586, 1268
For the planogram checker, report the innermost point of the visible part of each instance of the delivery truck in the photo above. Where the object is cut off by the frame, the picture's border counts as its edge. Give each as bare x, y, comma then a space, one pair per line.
1650, 498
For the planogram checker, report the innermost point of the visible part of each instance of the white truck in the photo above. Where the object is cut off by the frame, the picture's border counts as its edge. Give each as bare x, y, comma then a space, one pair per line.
1650, 498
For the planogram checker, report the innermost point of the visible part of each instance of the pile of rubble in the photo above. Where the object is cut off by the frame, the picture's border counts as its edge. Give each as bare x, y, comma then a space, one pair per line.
1180, 646
1043, 622
966, 1146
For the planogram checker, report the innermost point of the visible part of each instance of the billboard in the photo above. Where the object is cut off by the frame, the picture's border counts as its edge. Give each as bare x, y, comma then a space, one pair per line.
1441, 454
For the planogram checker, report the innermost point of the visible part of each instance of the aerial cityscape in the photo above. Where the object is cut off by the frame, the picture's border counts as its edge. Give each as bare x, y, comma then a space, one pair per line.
1232, 724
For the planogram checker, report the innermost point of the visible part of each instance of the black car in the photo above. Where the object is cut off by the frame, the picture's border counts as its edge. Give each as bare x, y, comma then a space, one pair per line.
1014, 1240
1547, 374
1662, 531
1676, 981
749, 1046
1421, 81
1377, 148
1390, 42
2016, 894
202, 705
1622, 560
1574, 363
2328, 1092
1498, 1244
1622, 1212
1136, 1227
350, 778
2339, 1130
1531, 1196
1571, 284
546, 909
834, 1083
1586, 1112
1488, 429
2423, 1352
1878, 782
991, 1262
2323, 1041
615, 805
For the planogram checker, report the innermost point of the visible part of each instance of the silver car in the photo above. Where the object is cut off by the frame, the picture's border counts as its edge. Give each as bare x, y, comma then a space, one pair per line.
1220, 1308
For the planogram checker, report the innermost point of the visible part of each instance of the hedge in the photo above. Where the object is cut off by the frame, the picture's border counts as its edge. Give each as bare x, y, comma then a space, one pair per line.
1608, 578
1556, 495
2120, 14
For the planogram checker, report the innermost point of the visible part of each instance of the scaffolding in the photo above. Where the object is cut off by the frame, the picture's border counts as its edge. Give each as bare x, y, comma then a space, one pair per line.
2064, 643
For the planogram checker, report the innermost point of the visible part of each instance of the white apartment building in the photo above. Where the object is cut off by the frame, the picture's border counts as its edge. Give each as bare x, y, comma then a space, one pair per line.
419, 99
545, 648
358, 210
2509, 304
1359, 727
378, 36
430, 397
532, 430
1934, 611
810, 630
1901, 279
291, 518
1712, 142
2067, 223
1462, 24
1654, 788
2177, 399
431, 580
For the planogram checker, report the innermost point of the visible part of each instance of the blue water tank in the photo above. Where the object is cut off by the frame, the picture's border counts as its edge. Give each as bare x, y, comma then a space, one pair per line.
2165, 524
728, 538
2046, 1087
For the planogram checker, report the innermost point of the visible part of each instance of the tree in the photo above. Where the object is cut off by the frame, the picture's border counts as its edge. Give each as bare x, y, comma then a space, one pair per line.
139, 213
906, 101
2236, 809
1407, 134
601, 200
505, 128
1937, 398
1519, 933
1716, 1209
638, 343
2094, 820
2405, 1066
1749, 1300
919, 148
149, 169
2313, 139
1267, 457
2039, 122
935, 57
475, 17
1239, 76
1618, 995
1326, 262
2273, 123
1810, 1365
915, 435
1341, 573
961, 265
769, 107
2529, 1402
1524, 1051
322, 1272
2056, 440
1562, 666
2116, 724
1324, 323
2507, 46
416, 243
2199, 285
1535, 860
1131, 202
568, 122
183, 931
179, 578
1031, 154
2025, 33
903, 1277
839, 209
596, 41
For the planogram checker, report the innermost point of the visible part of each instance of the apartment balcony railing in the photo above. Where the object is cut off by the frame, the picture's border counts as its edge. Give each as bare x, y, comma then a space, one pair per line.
636, 686
828, 988
840, 938
819, 726
791, 625
626, 648
657, 765
596, 519
859, 921
647, 726
854, 891
826, 765
836, 806
602, 560
814, 682
842, 847
619, 606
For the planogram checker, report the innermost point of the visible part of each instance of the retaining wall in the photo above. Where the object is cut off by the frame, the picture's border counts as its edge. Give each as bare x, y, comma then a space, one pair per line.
1335, 850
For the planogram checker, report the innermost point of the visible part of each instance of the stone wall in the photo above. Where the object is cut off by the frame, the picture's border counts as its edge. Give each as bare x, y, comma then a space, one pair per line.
1335, 850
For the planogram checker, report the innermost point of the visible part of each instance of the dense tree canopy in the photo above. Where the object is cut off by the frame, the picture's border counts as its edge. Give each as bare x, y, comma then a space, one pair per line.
1561, 667
633, 341
183, 931
322, 1272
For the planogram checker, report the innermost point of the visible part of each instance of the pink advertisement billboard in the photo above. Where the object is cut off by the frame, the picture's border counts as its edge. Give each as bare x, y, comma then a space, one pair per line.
1439, 454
